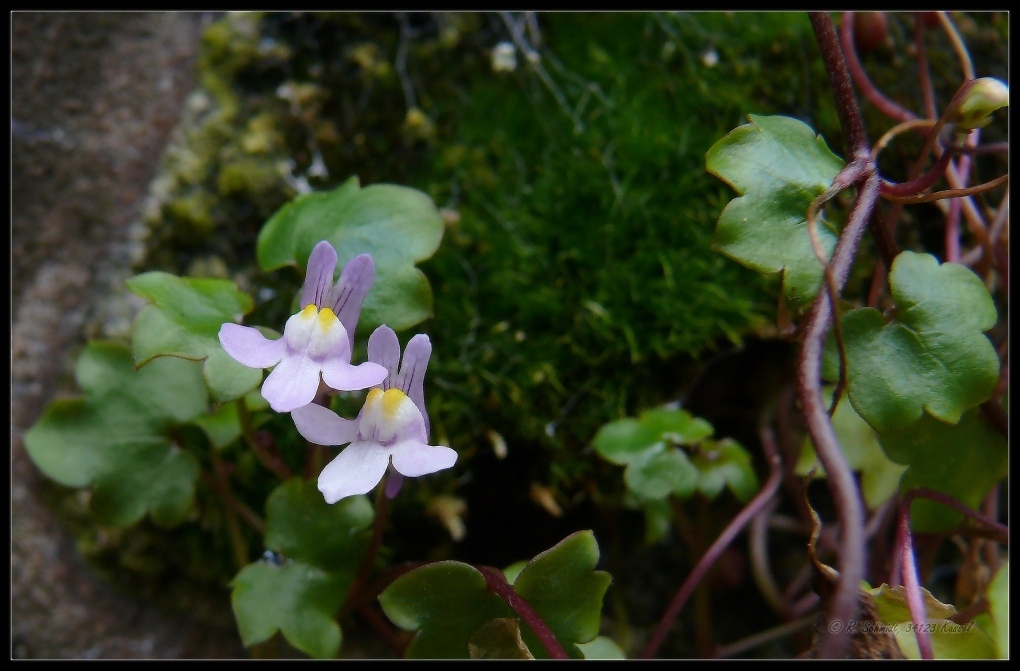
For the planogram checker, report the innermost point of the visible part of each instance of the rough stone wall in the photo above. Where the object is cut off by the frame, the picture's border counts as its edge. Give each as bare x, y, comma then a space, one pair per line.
94, 97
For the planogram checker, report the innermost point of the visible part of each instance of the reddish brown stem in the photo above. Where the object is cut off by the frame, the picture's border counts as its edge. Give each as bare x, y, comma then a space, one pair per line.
496, 582
708, 559
911, 583
916, 186
868, 89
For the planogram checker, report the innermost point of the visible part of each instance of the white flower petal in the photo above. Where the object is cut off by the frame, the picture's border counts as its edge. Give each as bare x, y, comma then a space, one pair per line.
342, 376
249, 347
292, 383
356, 470
323, 426
412, 458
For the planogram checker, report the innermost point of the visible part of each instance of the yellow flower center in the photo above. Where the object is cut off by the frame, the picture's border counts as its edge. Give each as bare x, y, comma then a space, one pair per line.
387, 414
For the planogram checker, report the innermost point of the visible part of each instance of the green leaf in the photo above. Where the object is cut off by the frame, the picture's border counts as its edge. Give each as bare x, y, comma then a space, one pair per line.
880, 477
397, 225
964, 460
499, 639
222, 426
296, 599
779, 166
721, 464
998, 600
511, 572
302, 526
118, 437
933, 356
566, 591
657, 474
624, 440
949, 640
656, 468
184, 319
446, 603
676, 426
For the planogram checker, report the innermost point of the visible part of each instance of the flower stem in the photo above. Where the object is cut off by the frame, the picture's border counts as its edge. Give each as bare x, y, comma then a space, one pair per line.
260, 443
382, 512
222, 488
496, 582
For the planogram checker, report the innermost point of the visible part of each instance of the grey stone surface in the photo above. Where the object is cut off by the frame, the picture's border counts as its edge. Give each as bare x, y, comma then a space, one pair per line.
95, 96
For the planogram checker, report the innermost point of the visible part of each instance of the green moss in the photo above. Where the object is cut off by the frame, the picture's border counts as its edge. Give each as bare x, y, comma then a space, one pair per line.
191, 216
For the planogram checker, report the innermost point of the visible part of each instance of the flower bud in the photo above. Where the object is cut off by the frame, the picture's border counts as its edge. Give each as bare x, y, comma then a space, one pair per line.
984, 96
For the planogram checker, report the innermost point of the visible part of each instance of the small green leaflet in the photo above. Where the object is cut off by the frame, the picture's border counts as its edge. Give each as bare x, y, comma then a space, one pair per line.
564, 588
656, 467
397, 225
302, 526
779, 166
118, 438
949, 640
323, 546
446, 603
450, 606
297, 599
184, 319
963, 460
932, 356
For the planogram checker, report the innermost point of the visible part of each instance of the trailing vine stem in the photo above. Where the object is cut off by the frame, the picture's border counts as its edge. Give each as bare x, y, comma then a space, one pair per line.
842, 87
870, 91
911, 581
696, 575
497, 583
844, 603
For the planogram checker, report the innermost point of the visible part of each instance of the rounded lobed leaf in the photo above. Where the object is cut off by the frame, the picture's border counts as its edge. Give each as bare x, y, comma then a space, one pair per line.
932, 357
949, 640
566, 591
294, 598
302, 526
724, 464
779, 166
446, 603
183, 320
117, 439
963, 460
399, 226
656, 475
624, 440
